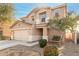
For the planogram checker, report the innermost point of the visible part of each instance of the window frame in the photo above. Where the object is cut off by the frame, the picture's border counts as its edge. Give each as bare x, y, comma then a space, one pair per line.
42, 16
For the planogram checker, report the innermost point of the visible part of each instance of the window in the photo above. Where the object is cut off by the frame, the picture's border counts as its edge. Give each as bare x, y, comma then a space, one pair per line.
43, 16
32, 18
56, 14
43, 20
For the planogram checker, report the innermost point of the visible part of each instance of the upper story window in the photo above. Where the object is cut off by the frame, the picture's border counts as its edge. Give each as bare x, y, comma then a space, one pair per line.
43, 20
57, 12
32, 18
43, 16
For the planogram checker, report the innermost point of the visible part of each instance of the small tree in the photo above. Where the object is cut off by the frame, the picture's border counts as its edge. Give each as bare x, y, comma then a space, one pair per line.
64, 23
6, 12
6, 15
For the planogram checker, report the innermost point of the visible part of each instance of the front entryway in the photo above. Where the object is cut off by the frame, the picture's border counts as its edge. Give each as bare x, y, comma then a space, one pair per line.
43, 32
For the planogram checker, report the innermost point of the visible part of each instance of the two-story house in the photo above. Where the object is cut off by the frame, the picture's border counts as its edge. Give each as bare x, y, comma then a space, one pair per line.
35, 25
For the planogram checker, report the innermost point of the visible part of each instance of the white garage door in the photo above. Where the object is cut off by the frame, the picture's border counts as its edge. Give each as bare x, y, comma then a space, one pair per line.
24, 35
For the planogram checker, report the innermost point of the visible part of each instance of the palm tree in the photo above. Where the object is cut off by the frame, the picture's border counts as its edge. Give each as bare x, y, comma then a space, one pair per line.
65, 23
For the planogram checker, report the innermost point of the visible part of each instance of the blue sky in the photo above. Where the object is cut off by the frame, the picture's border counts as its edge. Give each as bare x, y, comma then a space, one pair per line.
22, 9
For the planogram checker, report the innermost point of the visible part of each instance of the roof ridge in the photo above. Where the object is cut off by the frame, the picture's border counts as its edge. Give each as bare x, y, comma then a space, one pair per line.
37, 8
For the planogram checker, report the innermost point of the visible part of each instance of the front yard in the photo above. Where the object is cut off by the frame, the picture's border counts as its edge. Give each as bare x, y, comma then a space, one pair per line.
13, 48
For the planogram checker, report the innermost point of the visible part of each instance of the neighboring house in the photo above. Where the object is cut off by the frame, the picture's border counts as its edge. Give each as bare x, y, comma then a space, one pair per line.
5, 30
35, 25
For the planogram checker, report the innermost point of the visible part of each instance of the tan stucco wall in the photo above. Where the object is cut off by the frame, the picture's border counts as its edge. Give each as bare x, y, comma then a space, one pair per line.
52, 32
21, 25
68, 35
49, 11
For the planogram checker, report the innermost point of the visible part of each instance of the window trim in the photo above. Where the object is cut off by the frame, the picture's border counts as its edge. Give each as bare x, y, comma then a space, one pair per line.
43, 15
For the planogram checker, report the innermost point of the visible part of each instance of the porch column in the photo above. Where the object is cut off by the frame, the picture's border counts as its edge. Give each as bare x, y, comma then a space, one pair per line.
45, 36
75, 37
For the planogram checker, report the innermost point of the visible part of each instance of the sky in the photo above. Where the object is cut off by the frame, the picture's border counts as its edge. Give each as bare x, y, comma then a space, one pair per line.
22, 9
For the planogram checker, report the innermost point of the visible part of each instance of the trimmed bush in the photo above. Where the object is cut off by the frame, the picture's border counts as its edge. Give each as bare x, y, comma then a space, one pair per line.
5, 37
56, 38
2, 38
42, 43
51, 51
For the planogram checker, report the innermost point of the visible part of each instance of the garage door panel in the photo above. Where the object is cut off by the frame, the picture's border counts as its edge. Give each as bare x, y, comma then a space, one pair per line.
23, 35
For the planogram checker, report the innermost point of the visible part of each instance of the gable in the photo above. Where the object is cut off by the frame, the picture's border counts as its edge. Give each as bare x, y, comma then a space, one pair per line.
32, 12
42, 9
21, 25
50, 11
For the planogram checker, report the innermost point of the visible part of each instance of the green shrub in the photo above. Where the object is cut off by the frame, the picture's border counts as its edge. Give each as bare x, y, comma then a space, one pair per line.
56, 38
42, 43
2, 37
51, 51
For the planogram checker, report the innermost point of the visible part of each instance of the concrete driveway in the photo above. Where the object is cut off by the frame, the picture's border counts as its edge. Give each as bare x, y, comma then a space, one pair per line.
9, 43
21, 50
